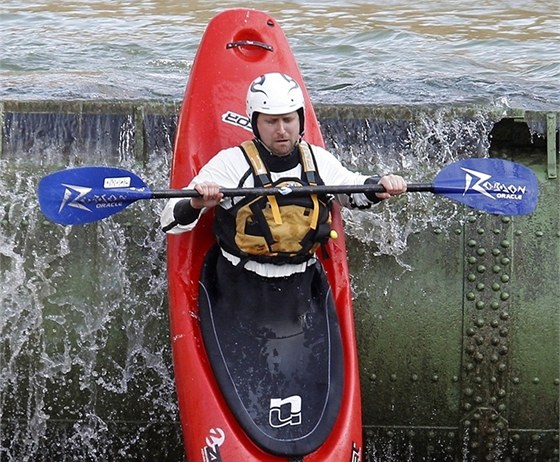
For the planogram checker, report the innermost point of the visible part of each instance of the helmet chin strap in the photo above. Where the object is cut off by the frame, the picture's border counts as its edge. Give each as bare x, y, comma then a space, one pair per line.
301, 114
254, 125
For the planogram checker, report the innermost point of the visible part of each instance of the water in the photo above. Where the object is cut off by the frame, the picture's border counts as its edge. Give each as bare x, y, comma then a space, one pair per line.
504, 53
85, 366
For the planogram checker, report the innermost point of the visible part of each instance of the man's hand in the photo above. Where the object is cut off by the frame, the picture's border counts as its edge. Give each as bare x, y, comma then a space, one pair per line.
393, 184
210, 195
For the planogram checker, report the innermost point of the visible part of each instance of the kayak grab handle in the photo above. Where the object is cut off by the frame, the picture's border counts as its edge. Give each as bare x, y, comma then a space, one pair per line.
254, 43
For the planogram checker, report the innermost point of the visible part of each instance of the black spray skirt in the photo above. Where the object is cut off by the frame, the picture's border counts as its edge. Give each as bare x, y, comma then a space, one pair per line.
275, 348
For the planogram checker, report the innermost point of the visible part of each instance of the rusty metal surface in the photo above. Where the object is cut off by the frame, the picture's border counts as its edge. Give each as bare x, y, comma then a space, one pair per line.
460, 360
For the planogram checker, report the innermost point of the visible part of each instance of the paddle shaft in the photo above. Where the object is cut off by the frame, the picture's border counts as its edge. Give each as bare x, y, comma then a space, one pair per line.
296, 191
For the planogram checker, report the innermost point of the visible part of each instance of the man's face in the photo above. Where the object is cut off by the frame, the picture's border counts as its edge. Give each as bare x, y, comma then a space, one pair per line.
279, 133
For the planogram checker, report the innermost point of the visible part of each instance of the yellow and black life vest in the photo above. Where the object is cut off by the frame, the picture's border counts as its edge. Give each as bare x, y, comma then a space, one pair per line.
276, 229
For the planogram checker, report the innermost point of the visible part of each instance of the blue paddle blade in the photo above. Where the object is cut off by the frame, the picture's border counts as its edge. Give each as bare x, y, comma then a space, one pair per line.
493, 185
86, 194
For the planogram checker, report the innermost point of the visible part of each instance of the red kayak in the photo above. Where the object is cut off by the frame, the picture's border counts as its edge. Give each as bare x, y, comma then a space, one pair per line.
231, 407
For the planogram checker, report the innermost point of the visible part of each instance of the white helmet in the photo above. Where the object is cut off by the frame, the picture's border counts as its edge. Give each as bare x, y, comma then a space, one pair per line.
274, 94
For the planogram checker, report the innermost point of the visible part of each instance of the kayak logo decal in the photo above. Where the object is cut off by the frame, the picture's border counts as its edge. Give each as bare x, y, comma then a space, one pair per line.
211, 452
355, 455
480, 182
238, 120
70, 201
285, 411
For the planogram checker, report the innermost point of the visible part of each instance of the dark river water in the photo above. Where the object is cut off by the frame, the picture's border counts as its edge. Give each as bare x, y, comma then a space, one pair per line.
503, 53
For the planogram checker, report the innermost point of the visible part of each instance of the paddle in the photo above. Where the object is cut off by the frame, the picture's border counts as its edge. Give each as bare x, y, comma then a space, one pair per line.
86, 194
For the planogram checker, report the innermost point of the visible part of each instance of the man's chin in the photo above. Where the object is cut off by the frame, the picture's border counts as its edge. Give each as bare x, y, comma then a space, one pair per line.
282, 149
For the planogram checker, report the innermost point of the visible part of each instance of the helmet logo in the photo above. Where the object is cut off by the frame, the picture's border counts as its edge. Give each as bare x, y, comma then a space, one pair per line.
258, 84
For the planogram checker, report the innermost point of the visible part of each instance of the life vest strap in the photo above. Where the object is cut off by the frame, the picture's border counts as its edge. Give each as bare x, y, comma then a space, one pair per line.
309, 169
260, 170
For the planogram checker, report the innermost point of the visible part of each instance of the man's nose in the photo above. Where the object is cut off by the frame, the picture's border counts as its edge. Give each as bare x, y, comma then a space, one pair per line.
281, 126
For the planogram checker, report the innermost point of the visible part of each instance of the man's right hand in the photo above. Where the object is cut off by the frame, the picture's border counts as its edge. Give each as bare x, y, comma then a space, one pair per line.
210, 195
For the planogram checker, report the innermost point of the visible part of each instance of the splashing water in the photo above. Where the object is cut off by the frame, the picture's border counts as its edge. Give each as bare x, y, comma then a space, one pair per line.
417, 153
83, 325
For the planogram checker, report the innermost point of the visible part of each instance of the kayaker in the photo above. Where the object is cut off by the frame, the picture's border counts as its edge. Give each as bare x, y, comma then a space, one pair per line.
272, 236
